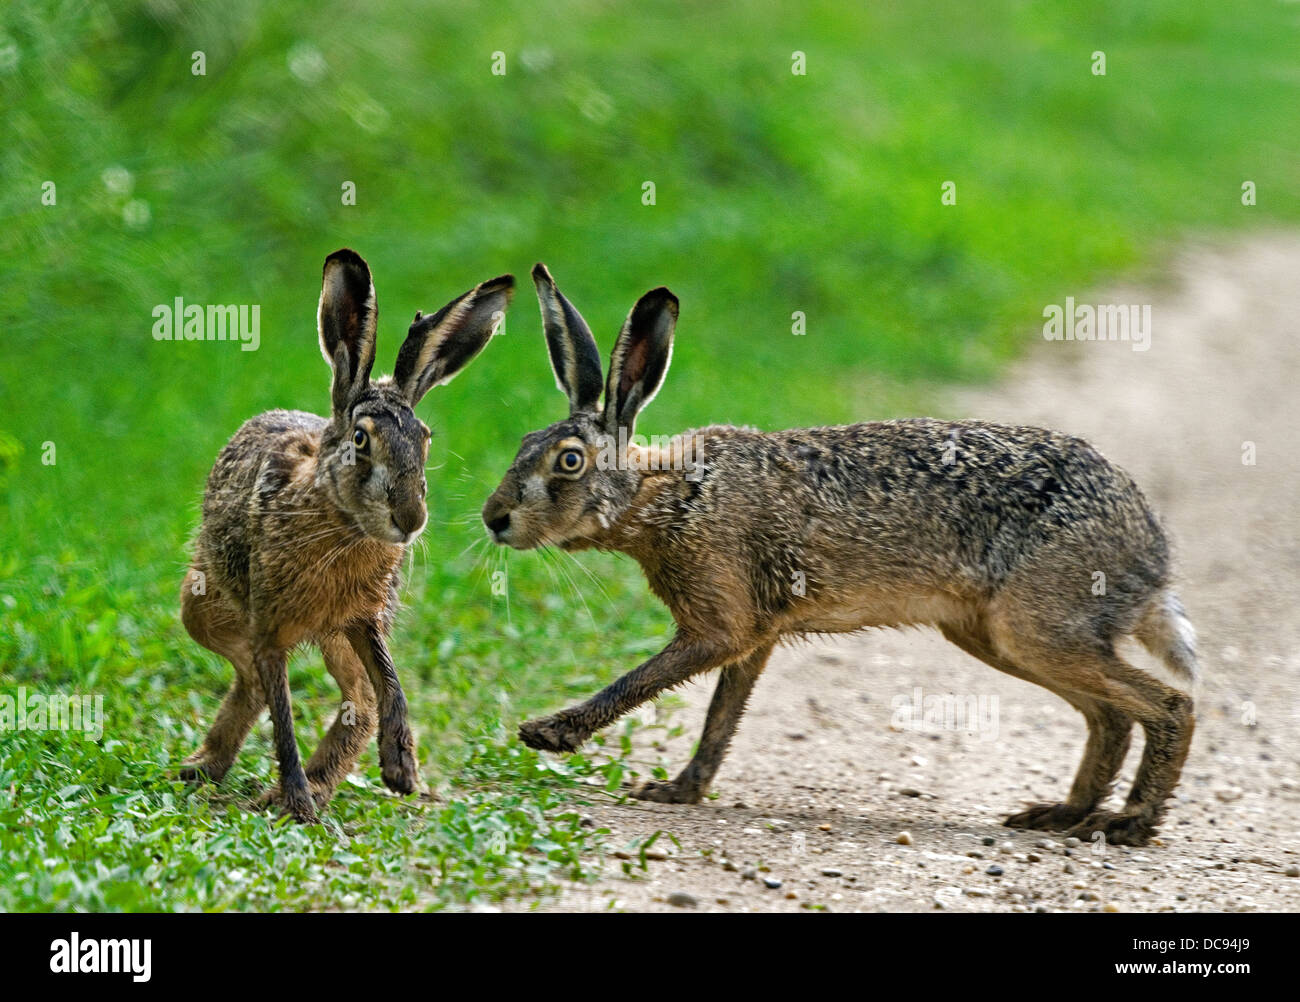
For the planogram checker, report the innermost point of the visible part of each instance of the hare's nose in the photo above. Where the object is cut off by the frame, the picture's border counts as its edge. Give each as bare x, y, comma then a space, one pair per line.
499, 524
408, 518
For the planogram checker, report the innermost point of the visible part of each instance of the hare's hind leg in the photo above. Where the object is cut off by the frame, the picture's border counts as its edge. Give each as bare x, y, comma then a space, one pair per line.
1086, 672
1109, 732
346, 739
1167, 722
212, 625
735, 682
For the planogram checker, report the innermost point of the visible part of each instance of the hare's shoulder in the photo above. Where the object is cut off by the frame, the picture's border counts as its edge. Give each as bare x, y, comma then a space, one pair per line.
274, 436
272, 425
267, 452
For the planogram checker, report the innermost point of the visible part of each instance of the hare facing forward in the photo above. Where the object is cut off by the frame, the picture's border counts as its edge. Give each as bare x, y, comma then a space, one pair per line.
993, 534
305, 521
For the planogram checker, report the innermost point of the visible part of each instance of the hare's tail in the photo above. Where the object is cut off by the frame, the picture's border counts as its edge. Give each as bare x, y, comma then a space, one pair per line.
1167, 633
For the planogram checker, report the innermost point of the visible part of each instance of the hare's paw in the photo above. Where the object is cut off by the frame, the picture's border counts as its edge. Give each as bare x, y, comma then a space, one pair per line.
202, 768
1118, 828
664, 792
554, 734
397, 762
300, 803
1046, 817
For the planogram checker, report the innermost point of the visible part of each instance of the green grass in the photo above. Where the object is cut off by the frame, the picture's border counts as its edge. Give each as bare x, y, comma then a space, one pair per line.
775, 193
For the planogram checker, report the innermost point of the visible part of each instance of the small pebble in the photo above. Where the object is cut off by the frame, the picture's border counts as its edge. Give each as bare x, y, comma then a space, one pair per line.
1072, 843
680, 899
1293, 871
989, 840
749, 874
904, 838
1033, 857
823, 828
994, 870
908, 791
771, 883
1110, 906
832, 871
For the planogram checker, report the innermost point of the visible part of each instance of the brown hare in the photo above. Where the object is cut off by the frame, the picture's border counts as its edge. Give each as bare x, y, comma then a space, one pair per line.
305, 521
993, 534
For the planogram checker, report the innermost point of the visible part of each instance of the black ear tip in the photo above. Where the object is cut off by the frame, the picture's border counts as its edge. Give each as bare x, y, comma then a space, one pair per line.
501, 285
541, 274
661, 298
346, 256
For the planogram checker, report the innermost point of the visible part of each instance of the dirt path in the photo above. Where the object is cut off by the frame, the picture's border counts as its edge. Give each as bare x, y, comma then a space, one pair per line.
821, 779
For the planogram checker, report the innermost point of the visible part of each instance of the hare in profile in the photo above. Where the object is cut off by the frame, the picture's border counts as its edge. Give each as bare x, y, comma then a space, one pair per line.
305, 521
993, 534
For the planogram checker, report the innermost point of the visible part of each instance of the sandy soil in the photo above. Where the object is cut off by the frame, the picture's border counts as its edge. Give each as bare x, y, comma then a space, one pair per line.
823, 779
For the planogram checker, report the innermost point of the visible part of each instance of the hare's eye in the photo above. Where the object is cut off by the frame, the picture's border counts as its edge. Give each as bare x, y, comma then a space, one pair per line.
570, 461
360, 438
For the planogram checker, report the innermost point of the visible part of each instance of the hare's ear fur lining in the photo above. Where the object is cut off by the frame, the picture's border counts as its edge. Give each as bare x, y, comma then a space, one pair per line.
440, 345
574, 355
640, 358
345, 320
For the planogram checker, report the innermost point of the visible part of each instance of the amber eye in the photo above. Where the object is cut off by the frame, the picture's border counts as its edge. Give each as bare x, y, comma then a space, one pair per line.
360, 438
570, 461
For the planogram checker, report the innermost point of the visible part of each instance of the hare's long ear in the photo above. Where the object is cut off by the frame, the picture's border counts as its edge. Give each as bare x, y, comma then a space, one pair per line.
640, 359
346, 320
574, 355
439, 346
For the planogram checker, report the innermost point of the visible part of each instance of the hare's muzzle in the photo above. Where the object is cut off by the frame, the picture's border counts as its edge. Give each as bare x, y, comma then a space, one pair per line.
496, 516
499, 527
408, 520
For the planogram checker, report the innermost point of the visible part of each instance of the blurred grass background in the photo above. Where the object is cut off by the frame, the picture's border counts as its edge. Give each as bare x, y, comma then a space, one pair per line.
775, 193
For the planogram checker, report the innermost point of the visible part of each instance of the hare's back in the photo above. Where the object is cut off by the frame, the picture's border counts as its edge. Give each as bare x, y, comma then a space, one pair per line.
948, 500
258, 458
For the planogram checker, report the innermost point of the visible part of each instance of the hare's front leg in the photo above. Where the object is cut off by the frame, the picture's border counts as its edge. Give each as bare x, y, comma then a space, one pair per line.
294, 795
336, 755
684, 656
396, 743
735, 682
